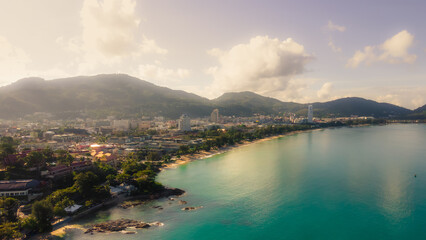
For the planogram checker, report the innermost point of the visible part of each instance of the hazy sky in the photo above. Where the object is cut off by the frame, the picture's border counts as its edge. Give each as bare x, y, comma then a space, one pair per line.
301, 51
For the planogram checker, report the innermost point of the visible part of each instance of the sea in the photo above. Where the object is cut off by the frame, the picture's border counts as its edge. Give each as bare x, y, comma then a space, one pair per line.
337, 183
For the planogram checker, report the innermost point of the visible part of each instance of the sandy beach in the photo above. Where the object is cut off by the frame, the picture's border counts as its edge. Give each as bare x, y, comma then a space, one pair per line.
184, 159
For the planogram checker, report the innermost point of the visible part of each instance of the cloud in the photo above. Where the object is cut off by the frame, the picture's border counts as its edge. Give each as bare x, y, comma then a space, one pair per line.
325, 90
155, 73
110, 34
411, 97
390, 98
263, 65
334, 27
394, 50
13, 61
334, 47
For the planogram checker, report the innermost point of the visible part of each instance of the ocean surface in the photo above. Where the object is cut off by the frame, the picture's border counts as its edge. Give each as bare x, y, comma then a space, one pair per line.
342, 183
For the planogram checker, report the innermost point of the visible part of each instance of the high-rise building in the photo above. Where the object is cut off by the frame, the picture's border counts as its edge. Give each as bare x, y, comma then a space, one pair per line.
184, 123
310, 114
214, 117
121, 125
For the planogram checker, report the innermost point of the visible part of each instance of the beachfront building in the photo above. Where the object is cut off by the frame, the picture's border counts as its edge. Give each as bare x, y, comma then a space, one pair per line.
310, 114
184, 123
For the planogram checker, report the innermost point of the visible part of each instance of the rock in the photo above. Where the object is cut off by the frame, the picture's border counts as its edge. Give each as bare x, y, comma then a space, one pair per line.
119, 225
143, 225
191, 208
181, 202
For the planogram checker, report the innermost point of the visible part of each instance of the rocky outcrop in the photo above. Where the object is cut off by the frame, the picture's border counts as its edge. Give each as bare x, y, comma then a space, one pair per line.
191, 208
120, 225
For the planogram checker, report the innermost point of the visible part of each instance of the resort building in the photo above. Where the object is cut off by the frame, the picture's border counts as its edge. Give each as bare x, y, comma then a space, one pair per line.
214, 116
26, 188
184, 123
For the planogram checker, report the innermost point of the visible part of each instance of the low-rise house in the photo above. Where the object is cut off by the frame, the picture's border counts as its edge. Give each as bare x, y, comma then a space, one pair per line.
58, 171
26, 188
81, 166
72, 209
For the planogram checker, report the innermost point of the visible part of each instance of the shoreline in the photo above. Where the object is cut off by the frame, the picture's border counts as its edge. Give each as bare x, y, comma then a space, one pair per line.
185, 159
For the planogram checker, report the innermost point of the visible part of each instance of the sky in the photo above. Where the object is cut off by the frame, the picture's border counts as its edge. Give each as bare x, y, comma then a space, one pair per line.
301, 51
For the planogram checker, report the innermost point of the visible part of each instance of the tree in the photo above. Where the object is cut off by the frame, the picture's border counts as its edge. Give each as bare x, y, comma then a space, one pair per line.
85, 182
7, 145
153, 156
132, 166
59, 209
64, 157
123, 178
8, 208
10, 230
34, 159
43, 213
102, 170
48, 155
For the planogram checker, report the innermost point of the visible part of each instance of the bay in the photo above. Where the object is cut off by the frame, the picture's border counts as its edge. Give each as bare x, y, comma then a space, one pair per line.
343, 183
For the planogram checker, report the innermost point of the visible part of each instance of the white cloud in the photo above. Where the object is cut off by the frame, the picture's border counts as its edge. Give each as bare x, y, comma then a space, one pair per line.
407, 96
390, 98
158, 74
325, 90
13, 61
333, 46
393, 50
334, 27
110, 34
263, 65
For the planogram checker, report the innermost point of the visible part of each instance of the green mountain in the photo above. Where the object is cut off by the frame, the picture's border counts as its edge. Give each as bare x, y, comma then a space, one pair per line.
100, 95
419, 113
249, 103
359, 106
420, 109
125, 96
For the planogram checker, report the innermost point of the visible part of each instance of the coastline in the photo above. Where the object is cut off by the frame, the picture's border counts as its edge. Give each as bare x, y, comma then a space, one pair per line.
185, 159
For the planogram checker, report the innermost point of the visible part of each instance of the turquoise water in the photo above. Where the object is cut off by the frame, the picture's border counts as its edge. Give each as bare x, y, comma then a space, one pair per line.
345, 183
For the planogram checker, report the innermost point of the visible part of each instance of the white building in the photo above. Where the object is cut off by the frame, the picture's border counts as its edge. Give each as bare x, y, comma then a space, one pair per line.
214, 117
27, 188
121, 125
310, 114
184, 123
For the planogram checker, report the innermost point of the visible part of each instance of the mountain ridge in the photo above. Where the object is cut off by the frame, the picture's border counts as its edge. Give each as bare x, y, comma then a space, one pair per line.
126, 96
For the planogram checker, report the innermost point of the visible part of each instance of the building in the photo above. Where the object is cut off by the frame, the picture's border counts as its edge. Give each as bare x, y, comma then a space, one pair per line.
184, 123
214, 116
121, 125
27, 188
310, 114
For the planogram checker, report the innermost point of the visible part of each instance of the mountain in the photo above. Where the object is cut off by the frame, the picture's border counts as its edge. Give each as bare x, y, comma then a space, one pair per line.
359, 106
419, 113
243, 103
98, 95
420, 109
249, 103
125, 96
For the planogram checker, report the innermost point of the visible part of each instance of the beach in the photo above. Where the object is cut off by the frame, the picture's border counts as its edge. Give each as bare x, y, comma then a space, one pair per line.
185, 159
